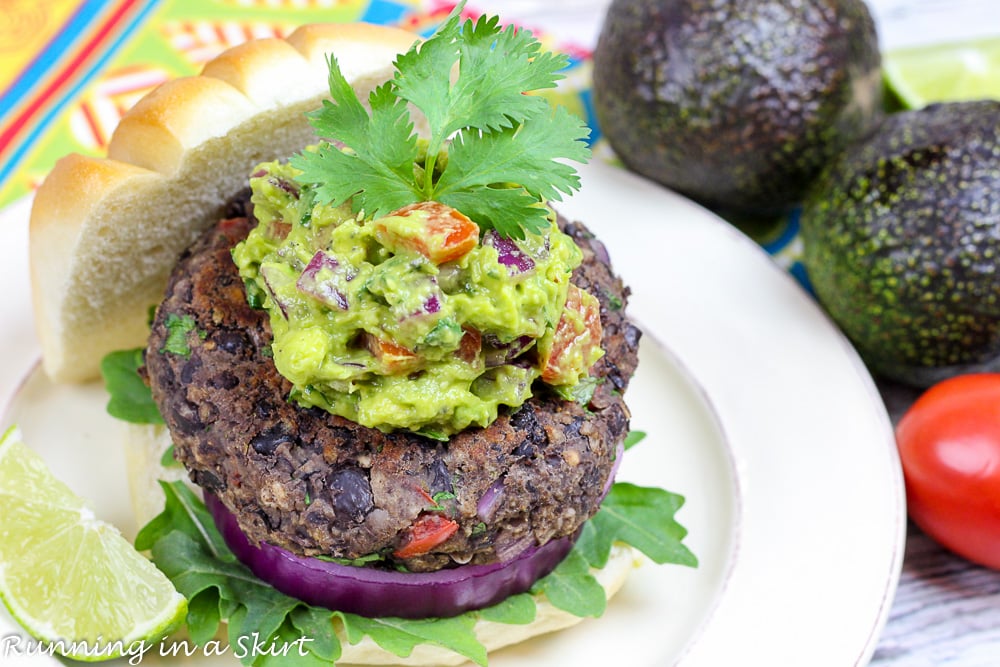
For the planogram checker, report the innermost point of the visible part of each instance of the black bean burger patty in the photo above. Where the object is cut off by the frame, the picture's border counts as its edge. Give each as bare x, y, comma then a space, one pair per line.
318, 484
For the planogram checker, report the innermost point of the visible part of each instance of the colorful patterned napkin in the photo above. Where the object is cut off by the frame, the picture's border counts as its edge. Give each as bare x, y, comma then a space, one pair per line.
70, 68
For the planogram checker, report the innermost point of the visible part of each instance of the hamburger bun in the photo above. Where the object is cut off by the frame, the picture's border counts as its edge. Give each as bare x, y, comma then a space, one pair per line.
105, 234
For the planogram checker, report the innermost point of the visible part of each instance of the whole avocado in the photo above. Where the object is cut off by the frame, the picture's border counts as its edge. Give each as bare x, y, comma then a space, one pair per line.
737, 104
901, 241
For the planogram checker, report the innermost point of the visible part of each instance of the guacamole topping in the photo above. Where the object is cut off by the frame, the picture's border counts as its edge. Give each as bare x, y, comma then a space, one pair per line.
414, 320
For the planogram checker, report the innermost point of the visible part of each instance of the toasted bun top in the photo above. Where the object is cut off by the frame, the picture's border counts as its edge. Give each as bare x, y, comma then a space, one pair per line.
105, 232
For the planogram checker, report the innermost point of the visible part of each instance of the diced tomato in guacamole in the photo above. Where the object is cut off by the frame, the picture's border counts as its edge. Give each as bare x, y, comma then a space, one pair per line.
438, 232
577, 340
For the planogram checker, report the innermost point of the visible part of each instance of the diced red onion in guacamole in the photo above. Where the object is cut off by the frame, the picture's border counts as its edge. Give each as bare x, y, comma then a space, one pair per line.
509, 253
270, 275
324, 291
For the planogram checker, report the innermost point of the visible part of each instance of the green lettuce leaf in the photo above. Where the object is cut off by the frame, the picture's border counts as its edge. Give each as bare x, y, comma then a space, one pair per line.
130, 397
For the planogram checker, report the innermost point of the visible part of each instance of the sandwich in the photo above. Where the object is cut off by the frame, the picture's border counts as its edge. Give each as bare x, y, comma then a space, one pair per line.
393, 375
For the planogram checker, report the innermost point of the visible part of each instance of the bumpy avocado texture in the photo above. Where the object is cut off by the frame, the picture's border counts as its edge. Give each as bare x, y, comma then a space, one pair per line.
902, 243
736, 103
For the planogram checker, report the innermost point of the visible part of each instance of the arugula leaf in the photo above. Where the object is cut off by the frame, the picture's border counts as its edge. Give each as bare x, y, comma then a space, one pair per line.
515, 610
314, 622
401, 635
188, 548
571, 587
642, 517
634, 438
204, 617
503, 160
130, 399
184, 511
168, 460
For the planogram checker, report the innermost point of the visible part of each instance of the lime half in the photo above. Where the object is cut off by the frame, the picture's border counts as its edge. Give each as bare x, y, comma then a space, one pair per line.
944, 73
70, 579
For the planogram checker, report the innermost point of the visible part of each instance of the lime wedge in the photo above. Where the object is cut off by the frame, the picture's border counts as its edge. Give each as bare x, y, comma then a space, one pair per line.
944, 73
70, 579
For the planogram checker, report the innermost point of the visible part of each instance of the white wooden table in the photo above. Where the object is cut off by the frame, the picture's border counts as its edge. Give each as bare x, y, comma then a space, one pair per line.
947, 610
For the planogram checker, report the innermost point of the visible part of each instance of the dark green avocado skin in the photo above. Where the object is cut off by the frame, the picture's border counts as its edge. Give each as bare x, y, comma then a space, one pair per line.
901, 241
737, 104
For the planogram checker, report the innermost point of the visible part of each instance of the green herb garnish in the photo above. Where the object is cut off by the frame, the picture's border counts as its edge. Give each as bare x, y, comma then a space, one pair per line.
493, 150
130, 397
633, 438
168, 460
177, 331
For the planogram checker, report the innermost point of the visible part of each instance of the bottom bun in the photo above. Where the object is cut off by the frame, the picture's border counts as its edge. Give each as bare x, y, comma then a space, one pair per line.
144, 452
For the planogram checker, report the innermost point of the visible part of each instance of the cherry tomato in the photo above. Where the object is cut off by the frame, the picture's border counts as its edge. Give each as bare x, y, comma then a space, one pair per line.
949, 446
428, 531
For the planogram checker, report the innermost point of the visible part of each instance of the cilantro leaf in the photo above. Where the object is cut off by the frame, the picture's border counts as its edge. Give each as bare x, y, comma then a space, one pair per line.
510, 211
496, 67
130, 399
423, 76
479, 163
378, 172
178, 328
505, 157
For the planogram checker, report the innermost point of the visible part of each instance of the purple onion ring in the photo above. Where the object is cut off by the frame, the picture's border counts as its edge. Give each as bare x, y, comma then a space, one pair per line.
374, 592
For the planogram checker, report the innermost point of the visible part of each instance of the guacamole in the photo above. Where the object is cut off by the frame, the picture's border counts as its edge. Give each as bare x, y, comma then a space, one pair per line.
416, 320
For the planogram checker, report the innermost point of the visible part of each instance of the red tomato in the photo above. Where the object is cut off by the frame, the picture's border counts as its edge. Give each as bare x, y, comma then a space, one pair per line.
428, 531
577, 338
443, 234
949, 445
393, 357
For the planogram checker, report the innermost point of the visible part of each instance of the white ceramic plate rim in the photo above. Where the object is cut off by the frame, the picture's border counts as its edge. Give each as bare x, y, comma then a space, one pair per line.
820, 506
821, 495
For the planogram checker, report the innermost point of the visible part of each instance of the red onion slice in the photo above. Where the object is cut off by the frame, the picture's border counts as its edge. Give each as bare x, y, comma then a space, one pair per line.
487, 506
374, 592
619, 455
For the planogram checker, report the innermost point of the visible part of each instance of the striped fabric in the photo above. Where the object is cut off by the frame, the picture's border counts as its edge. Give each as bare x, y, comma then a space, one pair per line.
70, 68
79, 47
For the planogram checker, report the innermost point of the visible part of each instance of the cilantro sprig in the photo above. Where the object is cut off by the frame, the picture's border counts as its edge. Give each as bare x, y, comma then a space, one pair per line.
492, 150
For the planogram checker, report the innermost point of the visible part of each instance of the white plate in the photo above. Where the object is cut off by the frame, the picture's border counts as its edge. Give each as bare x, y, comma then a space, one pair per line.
757, 410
